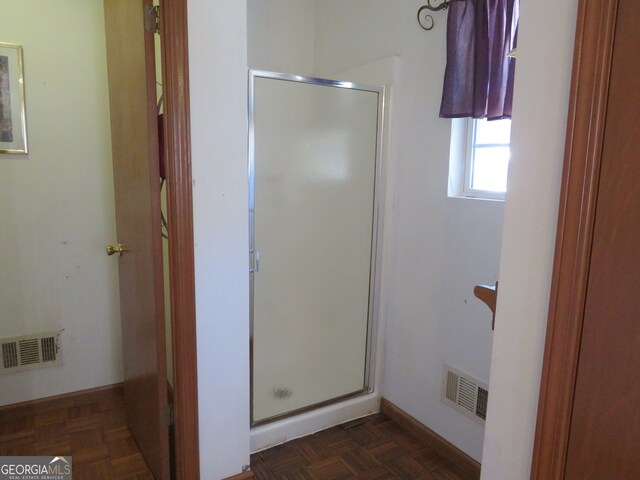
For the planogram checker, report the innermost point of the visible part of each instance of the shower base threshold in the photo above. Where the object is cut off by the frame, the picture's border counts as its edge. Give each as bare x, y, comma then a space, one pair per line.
281, 431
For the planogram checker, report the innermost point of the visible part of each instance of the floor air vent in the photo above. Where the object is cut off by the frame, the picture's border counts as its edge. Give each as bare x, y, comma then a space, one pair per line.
30, 351
465, 393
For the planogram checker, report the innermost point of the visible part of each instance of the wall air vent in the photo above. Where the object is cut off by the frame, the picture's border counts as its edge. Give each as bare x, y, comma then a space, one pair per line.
465, 393
30, 351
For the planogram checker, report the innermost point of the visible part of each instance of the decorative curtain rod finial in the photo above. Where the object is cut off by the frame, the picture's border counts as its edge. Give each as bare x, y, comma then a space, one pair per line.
425, 19
436, 8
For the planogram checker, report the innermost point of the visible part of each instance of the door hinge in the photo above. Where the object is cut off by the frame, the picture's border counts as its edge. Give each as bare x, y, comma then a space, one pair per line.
254, 261
166, 416
152, 19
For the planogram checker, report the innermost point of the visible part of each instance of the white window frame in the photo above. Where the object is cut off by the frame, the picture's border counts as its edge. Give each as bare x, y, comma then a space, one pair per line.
461, 162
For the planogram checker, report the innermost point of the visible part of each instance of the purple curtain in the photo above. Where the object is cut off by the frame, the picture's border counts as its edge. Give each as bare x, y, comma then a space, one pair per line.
478, 80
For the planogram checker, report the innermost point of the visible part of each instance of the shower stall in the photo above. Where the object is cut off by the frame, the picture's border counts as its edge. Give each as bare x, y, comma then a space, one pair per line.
315, 176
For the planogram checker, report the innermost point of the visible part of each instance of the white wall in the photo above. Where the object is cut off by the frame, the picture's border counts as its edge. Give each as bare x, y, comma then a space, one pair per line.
218, 84
540, 113
281, 35
439, 247
56, 204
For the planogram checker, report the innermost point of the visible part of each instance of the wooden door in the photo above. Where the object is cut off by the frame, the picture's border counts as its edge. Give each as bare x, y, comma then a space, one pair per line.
604, 438
131, 69
588, 423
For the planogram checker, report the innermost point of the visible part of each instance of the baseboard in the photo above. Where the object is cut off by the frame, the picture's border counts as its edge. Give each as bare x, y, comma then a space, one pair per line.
463, 462
64, 398
241, 476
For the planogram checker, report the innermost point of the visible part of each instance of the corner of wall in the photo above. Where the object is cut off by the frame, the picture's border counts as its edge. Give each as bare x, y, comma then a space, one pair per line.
538, 137
218, 86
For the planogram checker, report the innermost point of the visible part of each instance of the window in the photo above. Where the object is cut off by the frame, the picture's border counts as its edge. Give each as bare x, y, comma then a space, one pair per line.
479, 158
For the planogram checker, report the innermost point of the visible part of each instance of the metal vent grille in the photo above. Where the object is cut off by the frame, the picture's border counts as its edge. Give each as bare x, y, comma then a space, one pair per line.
452, 387
49, 350
481, 407
30, 351
465, 393
9, 355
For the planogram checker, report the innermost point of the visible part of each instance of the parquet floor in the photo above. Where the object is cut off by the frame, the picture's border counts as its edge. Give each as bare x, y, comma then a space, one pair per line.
92, 429
373, 448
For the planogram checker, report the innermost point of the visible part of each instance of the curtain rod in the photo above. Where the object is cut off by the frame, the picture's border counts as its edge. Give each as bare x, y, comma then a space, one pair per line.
425, 20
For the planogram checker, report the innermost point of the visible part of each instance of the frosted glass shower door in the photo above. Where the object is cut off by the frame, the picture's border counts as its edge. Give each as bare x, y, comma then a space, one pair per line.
313, 197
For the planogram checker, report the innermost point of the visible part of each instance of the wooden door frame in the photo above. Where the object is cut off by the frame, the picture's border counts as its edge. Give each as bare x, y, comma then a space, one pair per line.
177, 131
585, 134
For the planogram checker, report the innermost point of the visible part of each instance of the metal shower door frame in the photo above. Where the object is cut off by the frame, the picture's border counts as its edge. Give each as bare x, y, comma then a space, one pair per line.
376, 231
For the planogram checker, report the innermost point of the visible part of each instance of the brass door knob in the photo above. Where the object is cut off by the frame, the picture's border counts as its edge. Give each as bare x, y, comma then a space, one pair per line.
117, 248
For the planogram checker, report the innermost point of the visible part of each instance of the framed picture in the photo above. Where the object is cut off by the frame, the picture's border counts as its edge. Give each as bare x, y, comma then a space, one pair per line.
13, 124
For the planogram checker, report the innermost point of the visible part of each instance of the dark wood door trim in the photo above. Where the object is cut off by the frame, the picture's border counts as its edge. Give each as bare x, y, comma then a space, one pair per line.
175, 66
585, 133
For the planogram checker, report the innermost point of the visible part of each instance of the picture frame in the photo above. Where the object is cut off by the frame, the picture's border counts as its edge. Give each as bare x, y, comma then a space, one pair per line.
13, 122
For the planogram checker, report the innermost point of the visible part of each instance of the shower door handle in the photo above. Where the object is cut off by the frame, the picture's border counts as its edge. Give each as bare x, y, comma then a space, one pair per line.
255, 261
